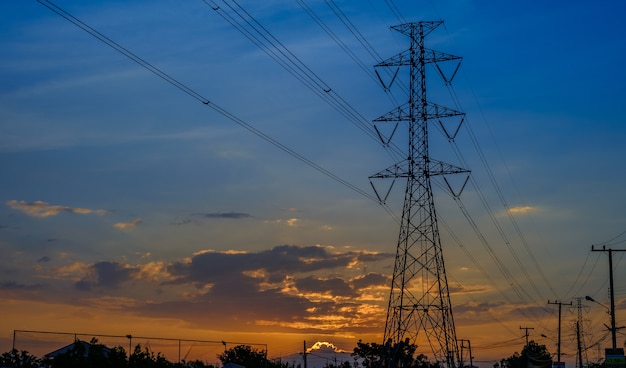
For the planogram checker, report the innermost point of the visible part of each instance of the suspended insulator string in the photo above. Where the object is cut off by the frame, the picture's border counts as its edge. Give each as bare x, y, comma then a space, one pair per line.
59, 11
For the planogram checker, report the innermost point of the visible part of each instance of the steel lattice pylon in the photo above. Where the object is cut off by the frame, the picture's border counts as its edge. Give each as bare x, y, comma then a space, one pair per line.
419, 301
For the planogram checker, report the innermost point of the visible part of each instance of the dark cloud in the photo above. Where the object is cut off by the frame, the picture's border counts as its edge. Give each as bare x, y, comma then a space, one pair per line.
13, 285
43, 259
106, 275
82, 285
234, 300
4, 227
277, 262
477, 307
524, 312
334, 286
371, 279
235, 287
226, 215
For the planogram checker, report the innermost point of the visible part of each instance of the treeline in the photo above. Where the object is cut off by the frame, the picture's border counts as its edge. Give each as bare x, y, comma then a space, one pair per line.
96, 355
368, 355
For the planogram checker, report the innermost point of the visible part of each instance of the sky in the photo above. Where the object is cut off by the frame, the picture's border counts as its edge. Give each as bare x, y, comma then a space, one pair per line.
192, 184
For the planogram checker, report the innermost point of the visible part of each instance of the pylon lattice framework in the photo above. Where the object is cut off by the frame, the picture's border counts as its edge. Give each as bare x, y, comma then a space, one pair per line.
419, 301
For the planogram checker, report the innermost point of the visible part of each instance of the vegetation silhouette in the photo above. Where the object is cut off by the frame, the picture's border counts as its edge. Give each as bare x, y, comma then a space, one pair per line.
397, 355
533, 355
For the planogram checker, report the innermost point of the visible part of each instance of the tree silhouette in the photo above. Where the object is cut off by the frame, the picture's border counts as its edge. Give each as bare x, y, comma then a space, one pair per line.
533, 354
22, 359
246, 356
398, 355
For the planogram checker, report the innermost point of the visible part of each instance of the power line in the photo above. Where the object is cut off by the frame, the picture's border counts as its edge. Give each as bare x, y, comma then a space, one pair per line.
261, 37
61, 12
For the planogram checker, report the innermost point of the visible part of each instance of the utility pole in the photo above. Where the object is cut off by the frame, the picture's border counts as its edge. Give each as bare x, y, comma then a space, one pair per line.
526, 328
526, 346
469, 348
419, 300
304, 353
558, 344
612, 310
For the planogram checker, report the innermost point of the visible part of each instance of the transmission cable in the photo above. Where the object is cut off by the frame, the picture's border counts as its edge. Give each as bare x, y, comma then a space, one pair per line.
582, 285
498, 190
394, 9
59, 11
283, 56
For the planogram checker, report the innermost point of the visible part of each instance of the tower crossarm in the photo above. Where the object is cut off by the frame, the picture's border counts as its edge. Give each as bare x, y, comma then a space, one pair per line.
433, 111
430, 56
409, 28
444, 168
401, 170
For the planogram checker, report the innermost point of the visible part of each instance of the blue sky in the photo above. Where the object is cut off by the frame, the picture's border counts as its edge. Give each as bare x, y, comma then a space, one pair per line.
122, 193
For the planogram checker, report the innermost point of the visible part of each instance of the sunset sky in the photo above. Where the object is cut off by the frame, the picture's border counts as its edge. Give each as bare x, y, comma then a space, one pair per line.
180, 180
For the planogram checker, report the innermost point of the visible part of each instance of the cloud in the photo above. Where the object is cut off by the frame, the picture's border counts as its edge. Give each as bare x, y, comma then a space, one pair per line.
226, 215
209, 266
477, 307
291, 222
331, 286
43, 209
268, 290
277, 282
106, 275
14, 286
127, 225
43, 259
322, 347
525, 311
369, 280
520, 210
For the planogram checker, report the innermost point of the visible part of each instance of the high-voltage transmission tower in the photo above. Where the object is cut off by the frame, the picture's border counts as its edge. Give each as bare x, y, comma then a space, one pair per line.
581, 348
419, 307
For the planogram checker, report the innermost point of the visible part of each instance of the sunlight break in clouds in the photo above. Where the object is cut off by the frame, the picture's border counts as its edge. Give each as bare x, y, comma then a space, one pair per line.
43, 209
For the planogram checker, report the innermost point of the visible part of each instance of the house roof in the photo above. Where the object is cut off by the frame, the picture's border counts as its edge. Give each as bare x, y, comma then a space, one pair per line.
85, 346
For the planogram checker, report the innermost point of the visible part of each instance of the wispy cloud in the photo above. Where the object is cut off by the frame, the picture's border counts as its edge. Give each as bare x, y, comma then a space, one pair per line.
13, 285
519, 210
226, 215
291, 222
44, 209
127, 225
